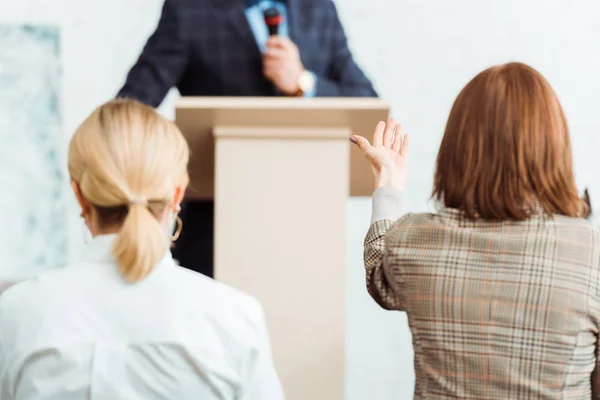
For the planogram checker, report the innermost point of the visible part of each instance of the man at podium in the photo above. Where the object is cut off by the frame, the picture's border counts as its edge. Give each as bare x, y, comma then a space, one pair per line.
242, 48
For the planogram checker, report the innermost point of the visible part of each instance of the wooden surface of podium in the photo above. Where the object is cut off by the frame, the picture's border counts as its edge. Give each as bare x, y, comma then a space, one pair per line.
280, 171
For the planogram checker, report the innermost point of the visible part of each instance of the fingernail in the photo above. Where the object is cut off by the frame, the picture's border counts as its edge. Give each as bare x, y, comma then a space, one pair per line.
353, 139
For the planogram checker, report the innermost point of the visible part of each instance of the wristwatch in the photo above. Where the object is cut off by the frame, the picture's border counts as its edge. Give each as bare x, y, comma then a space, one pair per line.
306, 83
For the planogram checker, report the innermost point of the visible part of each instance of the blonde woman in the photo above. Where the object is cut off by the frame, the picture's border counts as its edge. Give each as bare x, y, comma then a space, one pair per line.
501, 286
125, 322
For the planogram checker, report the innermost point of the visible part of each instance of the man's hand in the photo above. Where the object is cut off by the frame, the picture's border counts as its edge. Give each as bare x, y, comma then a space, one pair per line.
282, 64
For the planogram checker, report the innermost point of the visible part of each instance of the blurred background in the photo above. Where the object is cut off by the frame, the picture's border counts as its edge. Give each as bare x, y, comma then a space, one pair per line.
59, 59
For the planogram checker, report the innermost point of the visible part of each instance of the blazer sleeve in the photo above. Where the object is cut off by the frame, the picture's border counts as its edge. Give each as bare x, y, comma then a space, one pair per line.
387, 208
378, 284
162, 62
263, 381
344, 77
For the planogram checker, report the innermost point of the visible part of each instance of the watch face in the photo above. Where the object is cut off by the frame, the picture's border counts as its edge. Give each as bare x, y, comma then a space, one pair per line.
307, 82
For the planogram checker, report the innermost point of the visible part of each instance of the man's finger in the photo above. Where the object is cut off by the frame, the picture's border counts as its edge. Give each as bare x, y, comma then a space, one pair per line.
280, 42
398, 137
274, 54
271, 66
270, 73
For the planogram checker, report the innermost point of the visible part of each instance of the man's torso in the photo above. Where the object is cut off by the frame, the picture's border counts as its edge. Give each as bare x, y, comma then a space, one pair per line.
224, 56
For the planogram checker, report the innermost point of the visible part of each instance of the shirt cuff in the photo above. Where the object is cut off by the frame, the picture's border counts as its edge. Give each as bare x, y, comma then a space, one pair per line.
312, 93
387, 204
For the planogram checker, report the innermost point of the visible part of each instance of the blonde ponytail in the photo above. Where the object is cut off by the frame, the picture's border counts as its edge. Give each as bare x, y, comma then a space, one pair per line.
140, 244
124, 151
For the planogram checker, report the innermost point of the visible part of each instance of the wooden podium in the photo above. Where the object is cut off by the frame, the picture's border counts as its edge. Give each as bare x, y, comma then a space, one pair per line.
280, 171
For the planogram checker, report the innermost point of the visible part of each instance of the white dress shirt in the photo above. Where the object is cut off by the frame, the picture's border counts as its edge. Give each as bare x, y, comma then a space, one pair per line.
83, 333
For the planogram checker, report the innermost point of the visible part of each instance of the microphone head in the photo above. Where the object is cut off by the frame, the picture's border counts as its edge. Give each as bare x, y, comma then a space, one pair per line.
273, 19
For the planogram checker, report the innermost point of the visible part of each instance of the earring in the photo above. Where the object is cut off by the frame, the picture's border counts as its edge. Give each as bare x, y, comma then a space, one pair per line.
178, 230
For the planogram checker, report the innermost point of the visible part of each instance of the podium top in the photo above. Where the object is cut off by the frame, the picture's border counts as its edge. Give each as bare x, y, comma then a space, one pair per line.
205, 113
200, 119
283, 103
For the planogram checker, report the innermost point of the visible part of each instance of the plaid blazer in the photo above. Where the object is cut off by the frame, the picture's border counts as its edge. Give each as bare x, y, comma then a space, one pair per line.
497, 310
207, 48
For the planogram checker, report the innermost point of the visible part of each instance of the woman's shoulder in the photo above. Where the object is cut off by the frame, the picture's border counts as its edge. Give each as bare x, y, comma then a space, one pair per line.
584, 230
27, 293
414, 221
20, 299
172, 292
215, 295
450, 216
449, 221
229, 310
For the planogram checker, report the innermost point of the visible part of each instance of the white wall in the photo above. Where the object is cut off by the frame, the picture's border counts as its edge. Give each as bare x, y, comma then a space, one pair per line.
419, 53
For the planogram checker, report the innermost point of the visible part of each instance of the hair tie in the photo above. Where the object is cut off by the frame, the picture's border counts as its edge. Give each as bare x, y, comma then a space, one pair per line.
138, 201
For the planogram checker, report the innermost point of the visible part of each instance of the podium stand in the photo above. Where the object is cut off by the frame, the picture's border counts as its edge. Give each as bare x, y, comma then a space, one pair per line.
280, 171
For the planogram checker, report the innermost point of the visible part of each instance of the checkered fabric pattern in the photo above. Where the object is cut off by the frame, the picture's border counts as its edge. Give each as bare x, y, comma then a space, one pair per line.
497, 310
207, 48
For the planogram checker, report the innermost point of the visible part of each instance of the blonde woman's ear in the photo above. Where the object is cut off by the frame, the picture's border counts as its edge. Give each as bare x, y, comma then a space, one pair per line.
79, 196
179, 194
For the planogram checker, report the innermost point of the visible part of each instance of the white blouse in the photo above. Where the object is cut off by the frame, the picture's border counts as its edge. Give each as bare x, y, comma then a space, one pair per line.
82, 333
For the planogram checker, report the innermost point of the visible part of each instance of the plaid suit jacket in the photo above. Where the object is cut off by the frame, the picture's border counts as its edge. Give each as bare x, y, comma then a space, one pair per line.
207, 48
497, 310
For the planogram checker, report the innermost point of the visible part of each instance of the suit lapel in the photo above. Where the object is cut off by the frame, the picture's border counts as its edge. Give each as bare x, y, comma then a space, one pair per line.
294, 14
296, 23
239, 24
236, 21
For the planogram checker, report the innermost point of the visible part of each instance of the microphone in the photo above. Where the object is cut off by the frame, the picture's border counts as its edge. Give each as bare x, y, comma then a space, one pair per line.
273, 19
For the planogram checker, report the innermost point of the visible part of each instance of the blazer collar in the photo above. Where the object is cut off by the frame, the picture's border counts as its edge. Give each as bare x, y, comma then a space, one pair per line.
252, 3
294, 15
238, 22
99, 250
236, 16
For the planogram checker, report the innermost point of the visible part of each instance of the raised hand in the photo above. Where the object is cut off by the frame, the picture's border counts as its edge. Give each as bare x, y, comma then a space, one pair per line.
387, 154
